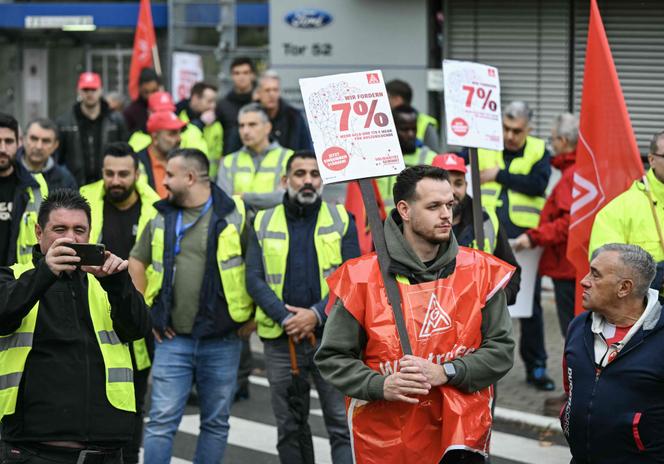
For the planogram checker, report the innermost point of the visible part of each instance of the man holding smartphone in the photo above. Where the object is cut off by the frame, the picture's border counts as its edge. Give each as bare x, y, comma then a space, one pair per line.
64, 329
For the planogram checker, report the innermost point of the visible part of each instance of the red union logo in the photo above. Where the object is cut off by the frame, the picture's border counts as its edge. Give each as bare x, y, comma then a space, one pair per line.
492, 72
436, 319
459, 126
372, 78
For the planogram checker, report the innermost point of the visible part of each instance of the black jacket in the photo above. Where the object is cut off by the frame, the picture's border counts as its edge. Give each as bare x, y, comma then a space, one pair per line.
62, 395
136, 115
227, 111
290, 129
21, 199
86, 168
464, 231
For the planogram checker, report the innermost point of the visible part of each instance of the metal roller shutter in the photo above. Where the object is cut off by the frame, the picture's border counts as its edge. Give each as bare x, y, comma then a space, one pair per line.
636, 34
528, 41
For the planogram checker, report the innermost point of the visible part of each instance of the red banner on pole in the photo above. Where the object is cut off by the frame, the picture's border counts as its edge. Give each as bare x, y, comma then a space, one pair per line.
607, 160
355, 206
145, 47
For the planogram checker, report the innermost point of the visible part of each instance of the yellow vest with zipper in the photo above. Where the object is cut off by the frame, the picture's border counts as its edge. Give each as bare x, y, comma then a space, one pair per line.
15, 348
95, 193
524, 210
26, 233
229, 261
272, 233
424, 121
243, 176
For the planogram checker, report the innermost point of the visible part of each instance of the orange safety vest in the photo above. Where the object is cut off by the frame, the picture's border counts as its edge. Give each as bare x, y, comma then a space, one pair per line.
443, 319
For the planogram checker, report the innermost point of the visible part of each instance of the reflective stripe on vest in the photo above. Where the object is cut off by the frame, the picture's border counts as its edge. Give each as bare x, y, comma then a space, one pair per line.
245, 178
229, 261
14, 350
422, 155
95, 193
272, 233
26, 232
524, 210
424, 121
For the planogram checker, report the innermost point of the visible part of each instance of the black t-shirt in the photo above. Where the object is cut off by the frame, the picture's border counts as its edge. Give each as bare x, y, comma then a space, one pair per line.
8, 187
120, 228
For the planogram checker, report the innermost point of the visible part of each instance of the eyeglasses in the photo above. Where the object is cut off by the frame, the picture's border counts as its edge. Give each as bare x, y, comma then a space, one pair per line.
658, 155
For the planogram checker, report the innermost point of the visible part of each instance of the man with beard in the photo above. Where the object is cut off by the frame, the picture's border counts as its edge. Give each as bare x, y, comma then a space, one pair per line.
414, 153
255, 171
189, 264
495, 240
86, 128
417, 408
20, 197
39, 144
295, 247
121, 208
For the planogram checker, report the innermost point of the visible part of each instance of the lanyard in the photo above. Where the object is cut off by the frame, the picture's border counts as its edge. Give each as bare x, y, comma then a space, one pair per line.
180, 228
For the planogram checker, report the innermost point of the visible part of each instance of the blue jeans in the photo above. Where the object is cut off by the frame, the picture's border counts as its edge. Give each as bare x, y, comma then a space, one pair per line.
213, 363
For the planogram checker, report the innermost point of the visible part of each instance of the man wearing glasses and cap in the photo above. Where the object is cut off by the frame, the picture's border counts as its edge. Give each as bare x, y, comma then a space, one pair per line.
88, 126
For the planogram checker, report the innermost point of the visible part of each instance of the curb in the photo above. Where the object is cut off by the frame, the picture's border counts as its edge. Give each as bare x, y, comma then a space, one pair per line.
512, 416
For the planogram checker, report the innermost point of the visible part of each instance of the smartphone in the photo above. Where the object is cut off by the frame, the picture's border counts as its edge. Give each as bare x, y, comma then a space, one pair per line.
91, 254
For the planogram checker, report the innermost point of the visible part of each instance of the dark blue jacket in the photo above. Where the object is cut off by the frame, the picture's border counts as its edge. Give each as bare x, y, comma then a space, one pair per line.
301, 282
213, 318
144, 158
20, 202
615, 415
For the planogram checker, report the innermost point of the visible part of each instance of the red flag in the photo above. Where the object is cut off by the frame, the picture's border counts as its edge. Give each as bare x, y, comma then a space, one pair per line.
607, 157
355, 205
145, 48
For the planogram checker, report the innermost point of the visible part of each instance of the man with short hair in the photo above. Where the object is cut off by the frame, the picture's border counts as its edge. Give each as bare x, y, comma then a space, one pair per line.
243, 75
433, 405
630, 217
613, 370
121, 207
255, 171
86, 128
514, 182
67, 391
293, 248
199, 110
20, 197
165, 128
414, 153
289, 127
189, 264
136, 114
401, 93
39, 144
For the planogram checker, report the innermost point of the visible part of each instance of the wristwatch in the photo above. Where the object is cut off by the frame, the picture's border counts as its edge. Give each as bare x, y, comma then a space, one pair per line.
450, 370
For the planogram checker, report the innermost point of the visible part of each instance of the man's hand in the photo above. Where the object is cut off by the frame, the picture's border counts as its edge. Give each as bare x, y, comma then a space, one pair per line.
433, 373
60, 258
522, 242
302, 324
245, 331
488, 175
400, 384
112, 265
168, 333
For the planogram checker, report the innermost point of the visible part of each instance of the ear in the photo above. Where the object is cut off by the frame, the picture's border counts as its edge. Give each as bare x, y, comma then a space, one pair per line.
625, 288
284, 182
38, 232
403, 208
529, 129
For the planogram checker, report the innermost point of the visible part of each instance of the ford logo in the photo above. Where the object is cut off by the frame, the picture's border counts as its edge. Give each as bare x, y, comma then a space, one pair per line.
308, 18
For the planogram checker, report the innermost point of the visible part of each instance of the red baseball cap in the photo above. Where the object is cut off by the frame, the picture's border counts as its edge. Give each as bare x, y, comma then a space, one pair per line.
161, 101
164, 120
89, 80
450, 162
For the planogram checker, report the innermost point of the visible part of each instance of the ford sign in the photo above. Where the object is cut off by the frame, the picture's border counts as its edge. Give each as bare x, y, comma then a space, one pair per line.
308, 18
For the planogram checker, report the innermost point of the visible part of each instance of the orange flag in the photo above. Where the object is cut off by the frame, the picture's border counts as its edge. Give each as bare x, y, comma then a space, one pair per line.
607, 157
355, 206
145, 48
